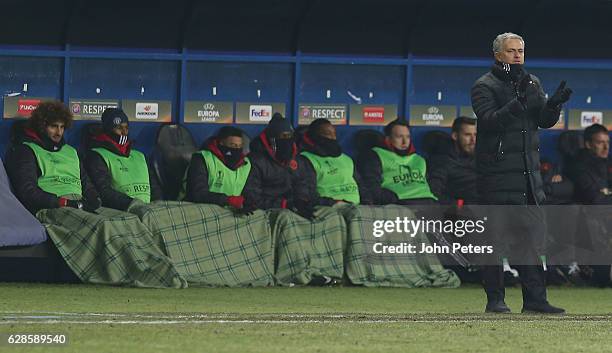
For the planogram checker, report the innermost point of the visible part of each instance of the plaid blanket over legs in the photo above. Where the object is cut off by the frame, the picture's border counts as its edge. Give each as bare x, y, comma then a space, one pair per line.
211, 246
109, 247
307, 248
365, 267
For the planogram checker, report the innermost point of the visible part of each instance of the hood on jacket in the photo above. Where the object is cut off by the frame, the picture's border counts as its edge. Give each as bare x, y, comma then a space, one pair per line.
261, 144
212, 145
29, 135
386, 145
309, 144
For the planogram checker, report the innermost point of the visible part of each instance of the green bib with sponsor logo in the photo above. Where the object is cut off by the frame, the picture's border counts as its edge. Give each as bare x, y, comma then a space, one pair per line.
335, 177
130, 175
222, 179
404, 175
60, 170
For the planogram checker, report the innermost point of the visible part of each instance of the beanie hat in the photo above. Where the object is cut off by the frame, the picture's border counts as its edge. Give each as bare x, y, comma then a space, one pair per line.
112, 118
277, 125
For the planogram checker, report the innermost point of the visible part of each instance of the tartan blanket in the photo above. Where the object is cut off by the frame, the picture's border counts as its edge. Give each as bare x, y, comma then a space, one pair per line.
109, 247
365, 267
307, 248
209, 245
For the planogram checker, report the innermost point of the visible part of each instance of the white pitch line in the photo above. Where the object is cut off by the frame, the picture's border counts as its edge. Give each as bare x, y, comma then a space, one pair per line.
179, 322
180, 315
199, 322
31, 317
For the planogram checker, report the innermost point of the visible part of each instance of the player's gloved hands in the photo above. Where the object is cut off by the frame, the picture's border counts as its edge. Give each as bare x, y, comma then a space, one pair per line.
236, 202
248, 207
74, 204
515, 72
91, 204
562, 95
304, 208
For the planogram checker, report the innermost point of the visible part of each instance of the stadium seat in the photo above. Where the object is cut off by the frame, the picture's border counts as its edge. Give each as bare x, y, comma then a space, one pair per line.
364, 140
435, 142
561, 193
570, 142
15, 135
246, 142
299, 133
171, 155
88, 131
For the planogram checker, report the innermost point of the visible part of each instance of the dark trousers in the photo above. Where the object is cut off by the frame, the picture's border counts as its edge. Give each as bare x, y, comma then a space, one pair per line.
532, 279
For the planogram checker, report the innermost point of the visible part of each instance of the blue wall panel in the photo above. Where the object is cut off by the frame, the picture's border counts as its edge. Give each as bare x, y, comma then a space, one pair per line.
44, 79
386, 83
238, 78
123, 79
239, 82
454, 83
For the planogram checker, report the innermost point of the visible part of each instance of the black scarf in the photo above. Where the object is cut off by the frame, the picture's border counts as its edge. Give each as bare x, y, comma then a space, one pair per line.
231, 155
330, 147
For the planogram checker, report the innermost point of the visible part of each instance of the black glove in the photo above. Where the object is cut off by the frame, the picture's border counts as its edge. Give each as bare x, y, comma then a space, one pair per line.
515, 72
387, 196
91, 204
74, 204
305, 209
521, 80
521, 89
562, 95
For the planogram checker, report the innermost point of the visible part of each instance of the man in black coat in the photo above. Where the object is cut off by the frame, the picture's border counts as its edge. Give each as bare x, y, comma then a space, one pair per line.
45, 172
119, 172
452, 174
590, 168
511, 106
273, 155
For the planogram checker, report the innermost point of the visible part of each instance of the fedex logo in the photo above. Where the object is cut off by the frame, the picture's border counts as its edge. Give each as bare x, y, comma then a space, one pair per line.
261, 113
589, 118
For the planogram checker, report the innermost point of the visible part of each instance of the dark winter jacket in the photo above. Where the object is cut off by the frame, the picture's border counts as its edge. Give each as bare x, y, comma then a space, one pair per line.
271, 180
23, 171
507, 147
452, 176
102, 179
590, 175
557, 193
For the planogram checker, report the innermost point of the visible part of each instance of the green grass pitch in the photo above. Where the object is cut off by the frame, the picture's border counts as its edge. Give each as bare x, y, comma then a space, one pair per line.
341, 319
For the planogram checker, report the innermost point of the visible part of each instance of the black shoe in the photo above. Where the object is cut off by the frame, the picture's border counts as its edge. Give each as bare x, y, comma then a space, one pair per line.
497, 307
541, 308
321, 281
